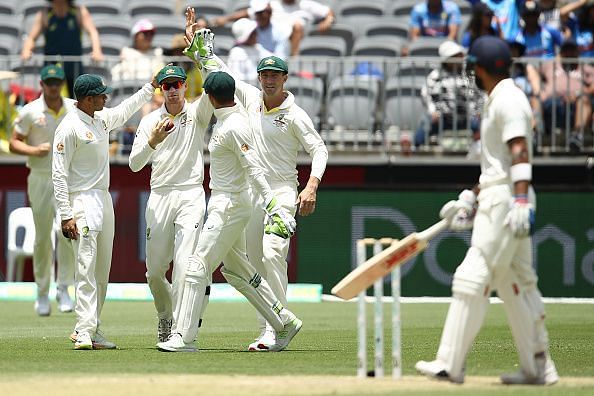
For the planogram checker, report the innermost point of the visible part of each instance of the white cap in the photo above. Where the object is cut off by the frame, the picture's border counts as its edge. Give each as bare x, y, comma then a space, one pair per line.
449, 48
142, 25
242, 29
258, 5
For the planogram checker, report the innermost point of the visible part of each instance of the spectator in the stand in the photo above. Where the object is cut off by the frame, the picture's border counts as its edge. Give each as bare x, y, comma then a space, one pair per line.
553, 16
582, 30
507, 13
482, 23
194, 78
142, 60
526, 77
567, 82
62, 24
435, 18
247, 52
449, 96
299, 14
541, 41
275, 37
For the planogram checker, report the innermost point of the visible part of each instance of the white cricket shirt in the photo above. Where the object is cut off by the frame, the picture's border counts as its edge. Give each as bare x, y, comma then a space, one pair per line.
233, 160
37, 123
178, 160
280, 133
81, 148
506, 115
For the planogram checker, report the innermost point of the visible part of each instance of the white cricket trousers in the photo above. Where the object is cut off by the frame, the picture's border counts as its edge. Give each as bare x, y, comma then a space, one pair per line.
93, 250
268, 252
174, 219
43, 204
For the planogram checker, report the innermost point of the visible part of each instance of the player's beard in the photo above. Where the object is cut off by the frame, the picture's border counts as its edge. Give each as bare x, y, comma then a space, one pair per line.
479, 82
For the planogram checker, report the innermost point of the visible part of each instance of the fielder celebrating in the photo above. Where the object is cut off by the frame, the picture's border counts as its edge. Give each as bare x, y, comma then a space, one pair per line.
281, 128
33, 134
500, 255
233, 161
80, 173
173, 138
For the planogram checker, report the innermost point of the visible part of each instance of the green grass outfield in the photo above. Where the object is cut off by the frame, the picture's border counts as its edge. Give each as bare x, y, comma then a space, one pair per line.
36, 356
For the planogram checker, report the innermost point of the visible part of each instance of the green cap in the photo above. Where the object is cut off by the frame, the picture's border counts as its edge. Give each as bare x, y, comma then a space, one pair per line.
218, 83
90, 85
273, 63
171, 71
52, 71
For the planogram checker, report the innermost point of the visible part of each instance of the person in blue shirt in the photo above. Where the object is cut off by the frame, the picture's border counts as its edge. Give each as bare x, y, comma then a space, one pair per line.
435, 18
482, 23
583, 30
540, 41
507, 13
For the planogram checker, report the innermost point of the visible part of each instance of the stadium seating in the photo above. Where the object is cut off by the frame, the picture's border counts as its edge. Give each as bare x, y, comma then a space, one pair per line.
19, 218
309, 94
403, 105
209, 8
96, 8
352, 101
30, 7
323, 46
385, 27
138, 8
346, 31
383, 45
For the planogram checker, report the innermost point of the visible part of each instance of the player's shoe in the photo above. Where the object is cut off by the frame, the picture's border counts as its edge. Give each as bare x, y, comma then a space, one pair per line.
284, 337
164, 329
63, 298
547, 374
83, 341
73, 335
264, 341
436, 370
175, 343
42, 306
100, 342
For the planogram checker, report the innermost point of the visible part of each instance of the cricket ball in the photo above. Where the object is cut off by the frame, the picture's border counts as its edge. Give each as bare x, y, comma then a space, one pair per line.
169, 125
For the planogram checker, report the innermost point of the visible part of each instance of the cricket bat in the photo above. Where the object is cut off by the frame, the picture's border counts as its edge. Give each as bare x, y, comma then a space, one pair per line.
383, 263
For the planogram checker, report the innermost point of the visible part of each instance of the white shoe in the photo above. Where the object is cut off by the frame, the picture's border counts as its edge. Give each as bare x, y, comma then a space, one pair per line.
264, 342
436, 370
42, 306
175, 343
284, 337
164, 329
551, 376
83, 341
63, 298
100, 342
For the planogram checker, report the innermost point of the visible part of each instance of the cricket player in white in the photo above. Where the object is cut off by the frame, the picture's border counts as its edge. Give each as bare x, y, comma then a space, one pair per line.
80, 173
281, 128
500, 255
233, 162
176, 205
33, 134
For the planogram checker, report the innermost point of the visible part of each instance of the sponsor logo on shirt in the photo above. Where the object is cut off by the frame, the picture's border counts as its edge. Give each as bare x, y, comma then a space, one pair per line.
244, 148
90, 137
85, 232
280, 122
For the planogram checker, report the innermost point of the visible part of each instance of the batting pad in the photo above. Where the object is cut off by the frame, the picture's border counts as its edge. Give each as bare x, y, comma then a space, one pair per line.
258, 293
192, 300
464, 320
522, 324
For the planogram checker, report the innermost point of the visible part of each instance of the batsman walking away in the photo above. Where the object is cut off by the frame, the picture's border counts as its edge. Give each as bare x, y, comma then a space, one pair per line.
500, 211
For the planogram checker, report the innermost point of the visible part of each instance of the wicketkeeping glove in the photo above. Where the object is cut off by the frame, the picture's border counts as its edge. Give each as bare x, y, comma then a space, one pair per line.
201, 50
521, 217
279, 221
461, 212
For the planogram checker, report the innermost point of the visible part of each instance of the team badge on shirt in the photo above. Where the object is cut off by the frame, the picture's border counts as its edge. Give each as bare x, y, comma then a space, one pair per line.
60, 148
90, 137
279, 121
245, 148
85, 232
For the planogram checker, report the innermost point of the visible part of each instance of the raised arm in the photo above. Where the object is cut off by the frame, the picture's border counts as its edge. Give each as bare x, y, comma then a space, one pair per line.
117, 116
34, 33
89, 26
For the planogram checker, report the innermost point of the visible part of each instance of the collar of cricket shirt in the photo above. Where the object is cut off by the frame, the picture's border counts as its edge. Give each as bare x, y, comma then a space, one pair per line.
84, 117
165, 112
289, 100
224, 112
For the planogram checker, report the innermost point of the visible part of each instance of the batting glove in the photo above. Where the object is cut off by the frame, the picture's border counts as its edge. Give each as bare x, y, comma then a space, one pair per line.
461, 212
521, 217
279, 221
201, 50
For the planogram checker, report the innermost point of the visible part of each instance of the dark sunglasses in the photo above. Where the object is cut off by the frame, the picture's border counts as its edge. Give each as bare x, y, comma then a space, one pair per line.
176, 85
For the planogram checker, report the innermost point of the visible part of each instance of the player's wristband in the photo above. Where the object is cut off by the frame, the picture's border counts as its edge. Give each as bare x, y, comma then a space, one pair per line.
520, 172
521, 198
